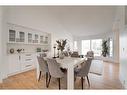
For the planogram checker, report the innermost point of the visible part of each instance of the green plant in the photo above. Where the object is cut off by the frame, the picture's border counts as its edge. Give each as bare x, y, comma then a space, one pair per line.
105, 48
61, 44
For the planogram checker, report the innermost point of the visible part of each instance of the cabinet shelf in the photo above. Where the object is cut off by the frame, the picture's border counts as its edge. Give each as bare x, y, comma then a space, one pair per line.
20, 34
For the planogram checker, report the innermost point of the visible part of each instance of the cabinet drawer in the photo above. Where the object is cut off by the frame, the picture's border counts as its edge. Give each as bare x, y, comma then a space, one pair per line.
28, 63
28, 55
28, 59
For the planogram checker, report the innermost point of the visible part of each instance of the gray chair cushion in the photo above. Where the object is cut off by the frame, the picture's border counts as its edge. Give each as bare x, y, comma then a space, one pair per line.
43, 54
66, 53
54, 68
43, 66
90, 54
84, 70
75, 54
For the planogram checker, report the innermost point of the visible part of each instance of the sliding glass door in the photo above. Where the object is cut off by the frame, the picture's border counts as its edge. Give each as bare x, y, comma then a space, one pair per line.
94, 45
85, 46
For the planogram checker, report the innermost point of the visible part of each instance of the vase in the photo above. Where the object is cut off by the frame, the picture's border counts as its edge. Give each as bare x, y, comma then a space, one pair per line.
61, 55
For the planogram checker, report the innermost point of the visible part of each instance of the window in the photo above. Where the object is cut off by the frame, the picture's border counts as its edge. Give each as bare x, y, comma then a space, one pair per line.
111, 47
96, 46
85, 46
75, 46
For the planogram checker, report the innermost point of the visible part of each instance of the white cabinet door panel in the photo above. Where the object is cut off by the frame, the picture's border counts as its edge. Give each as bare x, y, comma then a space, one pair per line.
14, 64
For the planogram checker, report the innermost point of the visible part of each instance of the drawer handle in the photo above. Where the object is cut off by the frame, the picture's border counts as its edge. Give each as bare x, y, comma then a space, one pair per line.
28, 59
28, 65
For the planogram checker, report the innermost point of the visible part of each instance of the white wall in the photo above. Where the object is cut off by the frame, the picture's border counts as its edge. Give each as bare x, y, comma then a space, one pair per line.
1, 44
116, 26
123, 57
33, 18
115, 32
121, 33
3, 39
123, 46
38, 18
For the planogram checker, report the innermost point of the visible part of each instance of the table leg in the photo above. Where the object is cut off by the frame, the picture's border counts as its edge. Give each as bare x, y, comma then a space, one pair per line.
70, 78
37, 71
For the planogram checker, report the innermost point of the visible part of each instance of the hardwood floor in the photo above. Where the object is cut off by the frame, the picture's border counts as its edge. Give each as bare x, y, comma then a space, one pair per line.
108, 80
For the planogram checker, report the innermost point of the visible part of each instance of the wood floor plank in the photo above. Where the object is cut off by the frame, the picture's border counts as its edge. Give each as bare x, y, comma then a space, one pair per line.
27, 80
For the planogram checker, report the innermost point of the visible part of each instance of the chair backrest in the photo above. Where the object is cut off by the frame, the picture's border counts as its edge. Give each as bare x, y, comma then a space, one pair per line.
86, 67
65, 53
54, 68
75, 54
43, 55
90, 54
43, 66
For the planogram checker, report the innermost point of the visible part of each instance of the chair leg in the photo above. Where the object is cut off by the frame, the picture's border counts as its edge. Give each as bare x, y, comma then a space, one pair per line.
82, 82
88, 80
46, 79
49, 81
39, 76
59, 82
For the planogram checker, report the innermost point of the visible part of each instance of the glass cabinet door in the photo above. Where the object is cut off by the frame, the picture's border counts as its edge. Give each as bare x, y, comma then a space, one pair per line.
29, 38
12, 35
46, 40
36, 38
41, 39
22, 36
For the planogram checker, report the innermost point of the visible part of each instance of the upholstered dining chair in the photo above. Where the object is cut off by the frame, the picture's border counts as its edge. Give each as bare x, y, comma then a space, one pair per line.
83, 71
54, 70
75, 54
66, 53
43, 68
90, 54
43, 54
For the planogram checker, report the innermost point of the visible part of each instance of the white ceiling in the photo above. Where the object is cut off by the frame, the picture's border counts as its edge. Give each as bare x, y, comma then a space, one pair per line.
77, 20
81, 21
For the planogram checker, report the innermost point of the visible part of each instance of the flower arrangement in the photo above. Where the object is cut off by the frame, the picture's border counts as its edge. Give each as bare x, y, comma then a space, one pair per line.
61, 44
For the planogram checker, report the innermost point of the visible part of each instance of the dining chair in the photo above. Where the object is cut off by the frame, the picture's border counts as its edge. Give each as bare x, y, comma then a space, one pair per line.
43, 68
90, 54
75, 54
54, 70
66, 53
43, 54
83, 71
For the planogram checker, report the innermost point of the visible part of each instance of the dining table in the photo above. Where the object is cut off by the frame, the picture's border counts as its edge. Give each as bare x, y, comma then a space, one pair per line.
68, 63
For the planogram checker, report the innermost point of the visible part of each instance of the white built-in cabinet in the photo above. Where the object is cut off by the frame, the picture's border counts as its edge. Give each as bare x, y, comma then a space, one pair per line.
21, 62
24, 35
20, 35
14, 64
